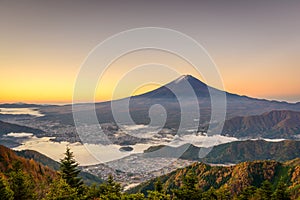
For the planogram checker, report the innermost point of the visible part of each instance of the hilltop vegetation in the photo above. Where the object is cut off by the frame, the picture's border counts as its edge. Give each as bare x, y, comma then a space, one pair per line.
41, 158
250, 150
232, 181
26, 179
23, 178
233, 152
37, 171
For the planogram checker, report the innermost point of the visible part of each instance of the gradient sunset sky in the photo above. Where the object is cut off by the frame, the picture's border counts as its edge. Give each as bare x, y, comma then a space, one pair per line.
255, 45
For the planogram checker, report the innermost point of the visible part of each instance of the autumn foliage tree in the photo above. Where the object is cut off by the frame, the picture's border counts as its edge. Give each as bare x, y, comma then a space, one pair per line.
21, 183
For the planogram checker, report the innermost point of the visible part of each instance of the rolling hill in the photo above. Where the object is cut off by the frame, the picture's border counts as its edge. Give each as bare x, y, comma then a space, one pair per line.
39, 172
12, 142
241, 151
87, 178
233, 179
6, 127
234, 152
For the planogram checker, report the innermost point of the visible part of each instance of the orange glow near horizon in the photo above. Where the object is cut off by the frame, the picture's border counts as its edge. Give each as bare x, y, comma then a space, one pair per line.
55, 84
14, 93
45, 80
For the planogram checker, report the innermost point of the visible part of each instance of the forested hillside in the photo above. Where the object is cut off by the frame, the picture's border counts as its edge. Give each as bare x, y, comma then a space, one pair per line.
233, 152
87, 178
23, 179
247, 178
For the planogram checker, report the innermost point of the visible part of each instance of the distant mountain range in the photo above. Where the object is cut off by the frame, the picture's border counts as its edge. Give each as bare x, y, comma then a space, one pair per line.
20, 105
274, 124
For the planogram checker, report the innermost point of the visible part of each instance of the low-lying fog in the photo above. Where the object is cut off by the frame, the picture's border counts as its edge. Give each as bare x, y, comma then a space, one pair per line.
21, 111
89, 154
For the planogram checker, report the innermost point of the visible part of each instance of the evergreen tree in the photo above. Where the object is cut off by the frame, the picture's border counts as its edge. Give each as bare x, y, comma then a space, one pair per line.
210, 194
137, 196
223, 194
155, 195
158, 193
5, 192
59, 190
247, 193
158, 185
93, 191
264, 192
281, 192
190, 181
189, 190
21, 184
69, 171
110, 190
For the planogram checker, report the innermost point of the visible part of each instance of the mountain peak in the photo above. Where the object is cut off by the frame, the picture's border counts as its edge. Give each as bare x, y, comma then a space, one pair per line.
184, 78
179, 86
194, 82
